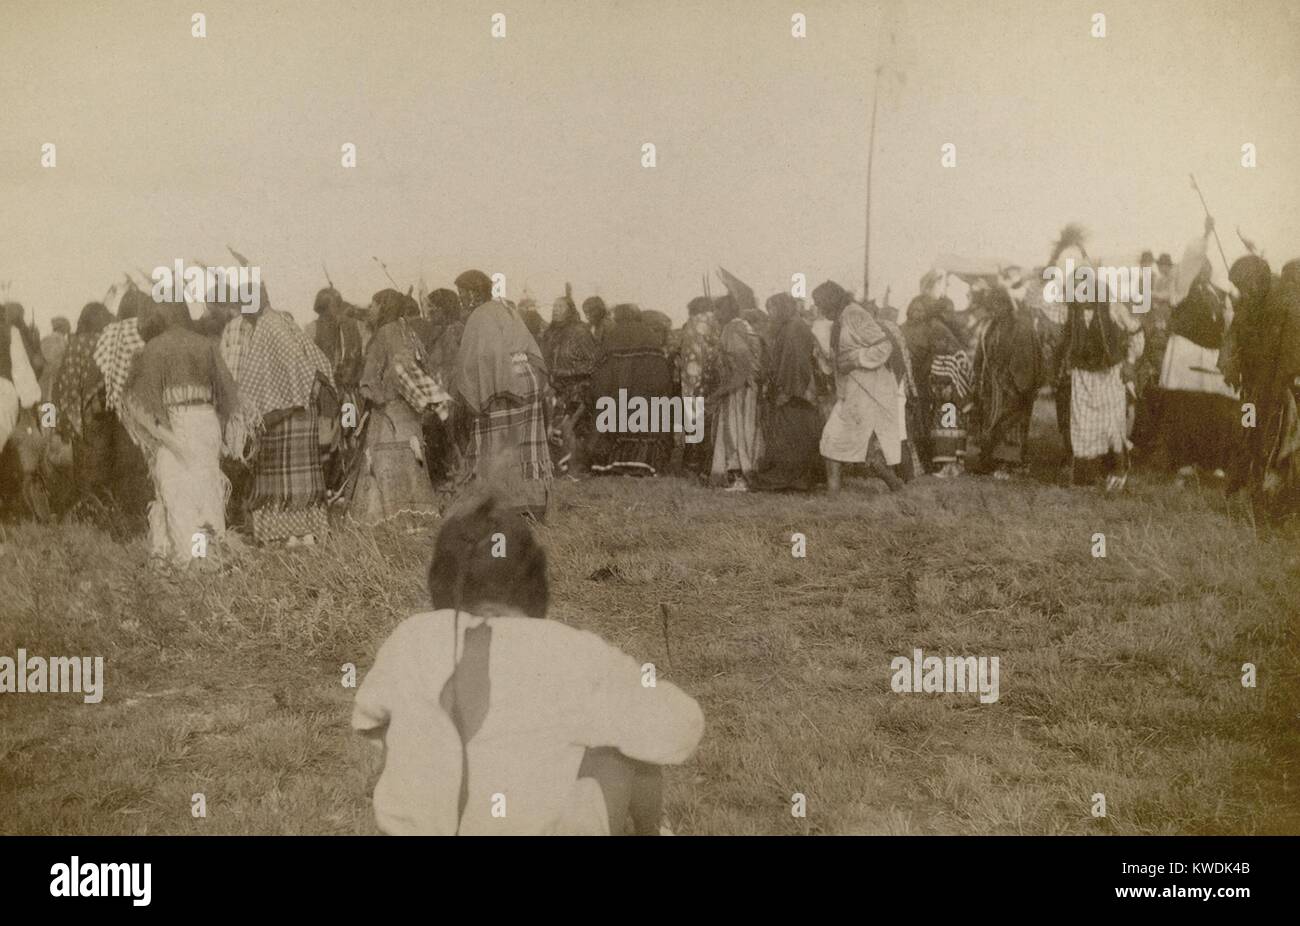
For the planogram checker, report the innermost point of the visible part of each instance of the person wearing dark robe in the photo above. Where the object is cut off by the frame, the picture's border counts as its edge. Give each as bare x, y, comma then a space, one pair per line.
951, 377
598, 319
1197, 412
339, 338
570, 353
921, 328
632, 369
115, 351
1263, 358
84, 420
791, 458
53, 346
1007, 377
444, 332
531, 318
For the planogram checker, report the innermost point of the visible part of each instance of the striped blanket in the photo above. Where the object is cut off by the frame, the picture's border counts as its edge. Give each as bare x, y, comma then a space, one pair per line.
512, 429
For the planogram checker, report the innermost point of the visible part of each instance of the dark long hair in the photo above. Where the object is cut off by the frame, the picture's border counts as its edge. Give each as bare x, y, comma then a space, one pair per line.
464, 572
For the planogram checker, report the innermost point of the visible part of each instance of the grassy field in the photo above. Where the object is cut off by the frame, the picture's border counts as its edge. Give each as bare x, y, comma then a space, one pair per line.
1119, 675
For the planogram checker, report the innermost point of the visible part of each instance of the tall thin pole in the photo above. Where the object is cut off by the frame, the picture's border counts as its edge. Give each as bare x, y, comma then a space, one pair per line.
871, 148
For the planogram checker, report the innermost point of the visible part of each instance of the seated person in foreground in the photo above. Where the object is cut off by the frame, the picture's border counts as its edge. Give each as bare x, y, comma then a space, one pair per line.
496, 721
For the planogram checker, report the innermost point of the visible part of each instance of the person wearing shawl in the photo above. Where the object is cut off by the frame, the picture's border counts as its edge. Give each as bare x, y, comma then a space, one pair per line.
501, 380
1007, 376
1101, 339
1263, 358
178, 395
570, 354
340, 339
280, 373
697, 359
951, 378
1194, 413
531, 318
737, 441
922, 328
399, 393
1280, 482
791, 459
84, 420
443, 333
115, 351
866, 410
632, 366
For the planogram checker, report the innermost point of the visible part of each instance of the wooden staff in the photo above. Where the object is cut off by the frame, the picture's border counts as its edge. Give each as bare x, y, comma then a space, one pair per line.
384, 267
1215, 230
871, 148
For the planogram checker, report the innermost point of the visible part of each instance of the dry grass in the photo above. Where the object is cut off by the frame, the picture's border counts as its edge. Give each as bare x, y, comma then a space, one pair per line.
1118, 675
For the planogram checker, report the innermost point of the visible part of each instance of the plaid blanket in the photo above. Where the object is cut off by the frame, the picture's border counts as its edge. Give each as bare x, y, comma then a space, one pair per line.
287, 472
417, 387
276, 367
118, 346
513, 430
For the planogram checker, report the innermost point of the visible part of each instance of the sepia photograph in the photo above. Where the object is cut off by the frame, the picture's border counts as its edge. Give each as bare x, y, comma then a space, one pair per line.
851, 418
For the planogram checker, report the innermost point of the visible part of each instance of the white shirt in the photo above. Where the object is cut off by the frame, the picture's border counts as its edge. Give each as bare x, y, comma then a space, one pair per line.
29, 390
22, 392
555, 691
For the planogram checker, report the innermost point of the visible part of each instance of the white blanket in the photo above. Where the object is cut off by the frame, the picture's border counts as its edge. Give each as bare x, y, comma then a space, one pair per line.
1188, 367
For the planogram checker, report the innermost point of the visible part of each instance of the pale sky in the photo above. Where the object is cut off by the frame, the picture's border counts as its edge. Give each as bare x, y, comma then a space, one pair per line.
522, 155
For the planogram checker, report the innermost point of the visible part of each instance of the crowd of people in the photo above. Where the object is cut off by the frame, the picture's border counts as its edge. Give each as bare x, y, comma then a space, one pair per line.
243, 419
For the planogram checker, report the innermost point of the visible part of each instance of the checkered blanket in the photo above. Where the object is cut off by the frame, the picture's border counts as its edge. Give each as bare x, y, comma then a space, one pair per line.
1098, 407
118, 346
276, 367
